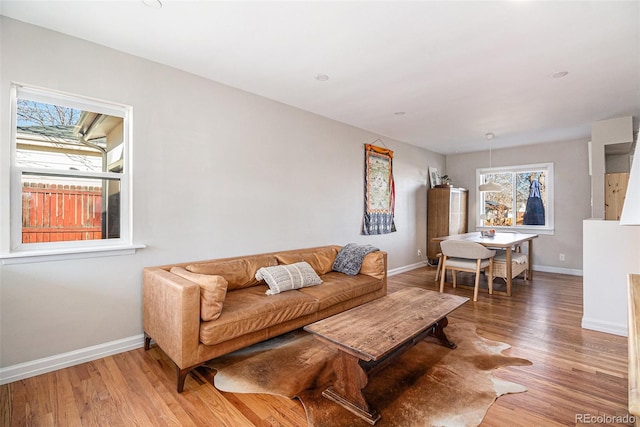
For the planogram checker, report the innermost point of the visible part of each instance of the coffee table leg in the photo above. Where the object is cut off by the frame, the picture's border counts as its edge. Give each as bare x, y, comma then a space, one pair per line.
347, 389
440, 335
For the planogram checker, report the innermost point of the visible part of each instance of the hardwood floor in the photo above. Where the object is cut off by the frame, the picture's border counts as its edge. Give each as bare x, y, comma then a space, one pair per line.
574, 371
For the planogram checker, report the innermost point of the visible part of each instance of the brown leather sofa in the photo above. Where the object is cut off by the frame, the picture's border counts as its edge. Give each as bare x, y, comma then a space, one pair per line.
173, 318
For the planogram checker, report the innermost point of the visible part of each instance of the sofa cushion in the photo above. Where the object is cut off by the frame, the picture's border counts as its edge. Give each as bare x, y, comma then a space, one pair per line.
213, 290
282, 278
240, 273
338, 287
321, 261
373, 265
248, 310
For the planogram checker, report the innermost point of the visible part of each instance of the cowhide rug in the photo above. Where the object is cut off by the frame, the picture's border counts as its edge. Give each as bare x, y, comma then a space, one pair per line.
429, 385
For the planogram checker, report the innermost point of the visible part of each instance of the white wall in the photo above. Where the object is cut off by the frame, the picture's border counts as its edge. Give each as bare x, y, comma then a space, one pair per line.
571, 195
611, 253
218, 172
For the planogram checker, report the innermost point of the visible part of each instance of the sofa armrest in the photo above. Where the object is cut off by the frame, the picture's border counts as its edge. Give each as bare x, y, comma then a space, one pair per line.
171, 314
375, 265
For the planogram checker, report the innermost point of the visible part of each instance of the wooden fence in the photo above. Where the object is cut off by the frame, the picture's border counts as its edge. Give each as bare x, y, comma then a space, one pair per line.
52, 213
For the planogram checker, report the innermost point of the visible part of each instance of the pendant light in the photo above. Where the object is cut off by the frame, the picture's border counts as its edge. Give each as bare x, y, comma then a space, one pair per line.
490, 186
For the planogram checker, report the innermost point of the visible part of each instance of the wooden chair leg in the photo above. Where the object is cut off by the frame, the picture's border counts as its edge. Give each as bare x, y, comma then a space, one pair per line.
439, 269
454, 273
443, 273
475, 288
490, 276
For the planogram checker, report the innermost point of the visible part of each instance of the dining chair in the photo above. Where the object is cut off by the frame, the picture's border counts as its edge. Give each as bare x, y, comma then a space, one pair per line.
472, 257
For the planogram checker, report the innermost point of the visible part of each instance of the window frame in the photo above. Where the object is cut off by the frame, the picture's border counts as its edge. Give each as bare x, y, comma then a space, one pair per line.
13, 250
549, 228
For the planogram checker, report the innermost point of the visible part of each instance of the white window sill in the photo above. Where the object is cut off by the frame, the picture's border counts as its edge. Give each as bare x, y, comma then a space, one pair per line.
65, 254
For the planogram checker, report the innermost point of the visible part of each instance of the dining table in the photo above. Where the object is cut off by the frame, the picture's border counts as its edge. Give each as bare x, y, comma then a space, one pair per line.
500, 240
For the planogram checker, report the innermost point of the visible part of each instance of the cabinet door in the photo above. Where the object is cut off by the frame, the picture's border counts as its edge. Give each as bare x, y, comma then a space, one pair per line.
446, 215
437, 218
457, 214
463, 212
454, 213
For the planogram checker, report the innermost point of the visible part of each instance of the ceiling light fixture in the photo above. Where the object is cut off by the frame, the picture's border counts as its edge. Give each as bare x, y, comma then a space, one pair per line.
559, 74
153, 4
489, 186
321, 77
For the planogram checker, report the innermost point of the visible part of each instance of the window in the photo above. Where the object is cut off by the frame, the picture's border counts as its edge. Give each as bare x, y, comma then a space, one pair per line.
70, 175
525, 202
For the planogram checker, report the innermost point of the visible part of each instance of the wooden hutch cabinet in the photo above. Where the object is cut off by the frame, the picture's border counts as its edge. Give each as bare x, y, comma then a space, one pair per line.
446, 215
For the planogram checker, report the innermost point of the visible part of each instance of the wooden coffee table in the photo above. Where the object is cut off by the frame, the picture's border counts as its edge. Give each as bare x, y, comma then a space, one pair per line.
368, 337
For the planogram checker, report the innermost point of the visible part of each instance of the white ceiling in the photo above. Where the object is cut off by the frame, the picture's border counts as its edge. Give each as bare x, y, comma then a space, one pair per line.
457, 69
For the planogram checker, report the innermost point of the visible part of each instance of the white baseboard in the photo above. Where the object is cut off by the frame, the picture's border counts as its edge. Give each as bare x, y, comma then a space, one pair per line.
406, 268
64, 360
569, 271
608, 327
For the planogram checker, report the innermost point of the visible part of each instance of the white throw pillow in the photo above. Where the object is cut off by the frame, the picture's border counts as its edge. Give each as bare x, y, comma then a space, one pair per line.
282, 278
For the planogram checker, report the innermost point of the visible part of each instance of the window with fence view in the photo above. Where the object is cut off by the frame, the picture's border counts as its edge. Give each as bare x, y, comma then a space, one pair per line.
69, 156
52, 212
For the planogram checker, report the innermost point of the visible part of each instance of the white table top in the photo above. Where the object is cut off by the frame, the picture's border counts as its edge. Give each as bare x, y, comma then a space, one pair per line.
499, 240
